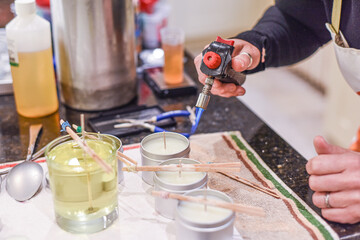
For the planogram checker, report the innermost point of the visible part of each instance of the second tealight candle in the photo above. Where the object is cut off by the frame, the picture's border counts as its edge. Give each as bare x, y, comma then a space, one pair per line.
176, 183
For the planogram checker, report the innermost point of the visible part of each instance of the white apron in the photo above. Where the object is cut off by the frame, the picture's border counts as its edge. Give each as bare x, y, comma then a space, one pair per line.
348, 58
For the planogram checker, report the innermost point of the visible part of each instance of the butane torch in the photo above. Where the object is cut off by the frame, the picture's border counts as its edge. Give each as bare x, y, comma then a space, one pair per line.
216, 63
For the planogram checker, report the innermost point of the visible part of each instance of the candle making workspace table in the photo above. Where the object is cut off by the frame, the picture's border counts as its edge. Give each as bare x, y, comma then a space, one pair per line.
222, 115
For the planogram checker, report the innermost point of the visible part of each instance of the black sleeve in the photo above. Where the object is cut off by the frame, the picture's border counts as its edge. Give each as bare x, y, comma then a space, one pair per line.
289, 32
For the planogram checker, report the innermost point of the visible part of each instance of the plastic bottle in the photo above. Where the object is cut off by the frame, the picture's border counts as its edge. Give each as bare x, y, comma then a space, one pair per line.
30, 52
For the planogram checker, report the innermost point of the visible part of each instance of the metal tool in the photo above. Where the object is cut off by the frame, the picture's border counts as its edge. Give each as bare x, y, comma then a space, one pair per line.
25, 179
147, 123
34, 157
216, 64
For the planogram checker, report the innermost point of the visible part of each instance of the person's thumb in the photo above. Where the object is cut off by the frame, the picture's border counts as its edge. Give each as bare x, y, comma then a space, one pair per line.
323, 147
241, 62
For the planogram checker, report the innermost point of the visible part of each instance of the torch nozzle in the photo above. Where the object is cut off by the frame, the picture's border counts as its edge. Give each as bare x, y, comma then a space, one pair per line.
204, 96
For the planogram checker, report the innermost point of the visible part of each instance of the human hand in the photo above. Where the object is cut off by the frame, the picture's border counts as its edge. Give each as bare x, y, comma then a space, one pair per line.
336, 171
240, 63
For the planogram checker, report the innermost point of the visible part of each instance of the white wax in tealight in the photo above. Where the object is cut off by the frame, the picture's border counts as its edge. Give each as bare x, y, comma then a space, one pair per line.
195, 212
183, 179
173, 145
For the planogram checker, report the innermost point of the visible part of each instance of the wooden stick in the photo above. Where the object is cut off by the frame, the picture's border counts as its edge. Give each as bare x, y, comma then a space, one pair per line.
107, 168
123, 160
251, 184
236, 207
75, 127
213, 167
82, 124
121, 155
34, 131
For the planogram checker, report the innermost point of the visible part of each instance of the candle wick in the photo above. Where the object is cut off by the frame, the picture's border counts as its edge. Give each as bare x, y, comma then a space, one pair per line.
205, 196
164, 140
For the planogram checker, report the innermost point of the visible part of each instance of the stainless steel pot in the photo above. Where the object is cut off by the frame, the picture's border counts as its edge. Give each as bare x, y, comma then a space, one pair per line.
94, 44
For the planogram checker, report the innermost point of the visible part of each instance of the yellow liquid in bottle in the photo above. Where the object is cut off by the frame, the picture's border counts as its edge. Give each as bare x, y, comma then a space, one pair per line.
34, 84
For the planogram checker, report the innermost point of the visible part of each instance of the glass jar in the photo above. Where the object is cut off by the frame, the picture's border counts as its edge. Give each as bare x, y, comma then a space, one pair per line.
85, 196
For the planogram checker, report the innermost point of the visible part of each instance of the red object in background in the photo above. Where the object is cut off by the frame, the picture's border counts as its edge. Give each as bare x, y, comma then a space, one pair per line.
147, 6
43, 3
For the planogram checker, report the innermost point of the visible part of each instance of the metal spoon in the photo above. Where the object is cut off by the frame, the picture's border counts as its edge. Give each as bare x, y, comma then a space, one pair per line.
25, 179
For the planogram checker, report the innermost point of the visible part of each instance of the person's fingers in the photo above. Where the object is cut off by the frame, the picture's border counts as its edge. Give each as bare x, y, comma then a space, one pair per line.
339, 199
342, 215
327, 164
335, 182
197, 62
323, 147
227, 89
246, 57
241, 62
239, 91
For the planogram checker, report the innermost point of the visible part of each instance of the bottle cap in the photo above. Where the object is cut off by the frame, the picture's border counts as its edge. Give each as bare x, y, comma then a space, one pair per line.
43, 3
25, 7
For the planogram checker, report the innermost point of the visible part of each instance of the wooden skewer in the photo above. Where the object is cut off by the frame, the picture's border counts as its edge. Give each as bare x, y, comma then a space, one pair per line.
75, 127
121, 155
123, 160
213, 167
82, 124
250, 210
251, 184
107, 168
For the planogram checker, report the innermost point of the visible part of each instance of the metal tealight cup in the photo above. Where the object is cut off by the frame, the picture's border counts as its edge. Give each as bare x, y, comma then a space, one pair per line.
189, 229
166, 207
152, 158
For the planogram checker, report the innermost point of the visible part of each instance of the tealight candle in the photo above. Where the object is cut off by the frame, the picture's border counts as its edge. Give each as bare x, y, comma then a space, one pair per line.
172, 145
158, 147
176, 183
194, 221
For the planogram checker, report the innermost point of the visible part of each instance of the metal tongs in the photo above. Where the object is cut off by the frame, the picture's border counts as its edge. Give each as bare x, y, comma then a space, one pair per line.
149, 123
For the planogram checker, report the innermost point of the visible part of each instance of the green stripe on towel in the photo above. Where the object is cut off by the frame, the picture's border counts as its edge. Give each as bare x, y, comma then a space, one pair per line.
281, 189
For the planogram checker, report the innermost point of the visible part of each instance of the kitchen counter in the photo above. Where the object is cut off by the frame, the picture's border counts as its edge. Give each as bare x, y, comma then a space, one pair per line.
222, 115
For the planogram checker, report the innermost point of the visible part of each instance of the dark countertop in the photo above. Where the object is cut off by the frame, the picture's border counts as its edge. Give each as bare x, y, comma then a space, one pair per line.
222, 115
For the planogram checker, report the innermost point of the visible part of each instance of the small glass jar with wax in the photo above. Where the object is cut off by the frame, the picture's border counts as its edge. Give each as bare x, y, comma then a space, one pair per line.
176, 182
119, 148
159, 147
84, 195
200, 222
